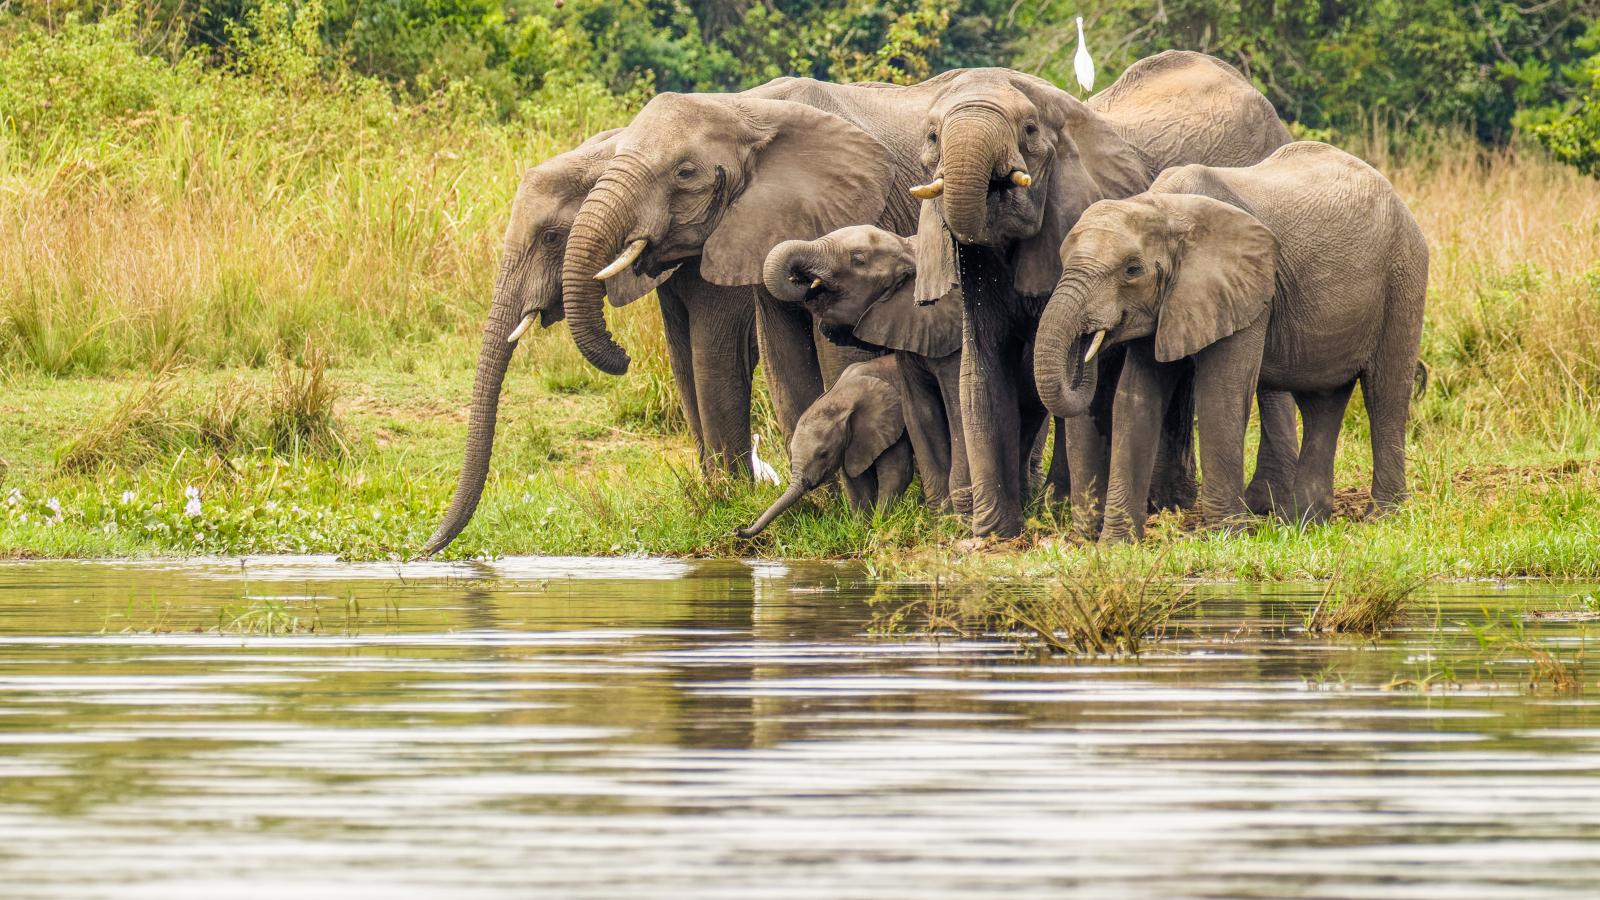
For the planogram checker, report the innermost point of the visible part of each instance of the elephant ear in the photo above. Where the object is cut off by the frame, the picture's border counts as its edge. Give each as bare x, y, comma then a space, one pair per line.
900, 323
627, 287
1224, 279
810, 173
1092, 162
875, 424
938, 267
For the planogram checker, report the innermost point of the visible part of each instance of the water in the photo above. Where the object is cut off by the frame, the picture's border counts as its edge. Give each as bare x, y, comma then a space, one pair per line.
589, 728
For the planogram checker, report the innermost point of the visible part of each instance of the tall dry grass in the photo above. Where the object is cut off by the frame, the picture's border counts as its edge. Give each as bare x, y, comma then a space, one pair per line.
164, 211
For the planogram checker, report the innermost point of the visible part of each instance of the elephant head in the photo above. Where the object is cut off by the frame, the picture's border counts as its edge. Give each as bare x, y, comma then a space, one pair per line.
1188, 269
527, 291
1014, 161
721, 177
848, 427
859, 283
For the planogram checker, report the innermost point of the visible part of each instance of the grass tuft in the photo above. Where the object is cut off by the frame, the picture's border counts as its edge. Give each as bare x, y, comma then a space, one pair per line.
1098, 608
1367, 599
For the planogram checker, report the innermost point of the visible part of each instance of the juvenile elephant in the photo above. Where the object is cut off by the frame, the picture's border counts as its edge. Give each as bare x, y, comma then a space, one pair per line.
1304, 273
1012, 162
858, 282
857, 425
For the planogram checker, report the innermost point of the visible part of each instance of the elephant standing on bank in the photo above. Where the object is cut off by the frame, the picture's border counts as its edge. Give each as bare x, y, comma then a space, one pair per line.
717, 180
528, 292
1304, 273
1012, 162
858, 282
856, 426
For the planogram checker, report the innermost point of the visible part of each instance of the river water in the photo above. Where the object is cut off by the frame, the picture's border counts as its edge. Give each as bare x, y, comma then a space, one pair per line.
589, 728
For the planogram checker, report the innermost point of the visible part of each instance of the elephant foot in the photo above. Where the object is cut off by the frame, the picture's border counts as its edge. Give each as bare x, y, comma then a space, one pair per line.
1261, 498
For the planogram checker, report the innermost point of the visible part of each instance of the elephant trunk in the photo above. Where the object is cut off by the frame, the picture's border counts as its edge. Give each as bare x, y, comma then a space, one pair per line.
598, 234
1066, 382
797, 489
790, 269
974, 142
493, 358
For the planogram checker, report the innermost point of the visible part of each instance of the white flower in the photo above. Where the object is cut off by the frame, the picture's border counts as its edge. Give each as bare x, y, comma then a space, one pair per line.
270, 506
54, 504
13, 497
192, 492
192, 508
24, 518
128, 497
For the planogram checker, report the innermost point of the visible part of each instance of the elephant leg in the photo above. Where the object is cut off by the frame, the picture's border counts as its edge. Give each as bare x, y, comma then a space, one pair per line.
1057, 483
680, 357
948, 372
1089, 447
1273, 482
1035, 422
722, 337
927, 429
893, 471
1143, 392
1173, 484
994, 430
861, 491
1386, 388
1225, 384
789, 356
1313, 480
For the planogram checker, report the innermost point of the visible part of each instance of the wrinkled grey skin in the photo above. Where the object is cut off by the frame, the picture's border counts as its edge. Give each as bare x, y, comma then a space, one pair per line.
1304, 273
858, 283
998, 240
722, 179
856, 426
708, 331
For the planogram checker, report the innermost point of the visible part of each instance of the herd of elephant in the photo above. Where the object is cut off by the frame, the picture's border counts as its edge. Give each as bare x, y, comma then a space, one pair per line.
929, 273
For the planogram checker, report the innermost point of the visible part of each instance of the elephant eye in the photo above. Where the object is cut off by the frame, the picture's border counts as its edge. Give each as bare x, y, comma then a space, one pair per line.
933, 137
1031, 129
1134, 269
550, 237
685, 172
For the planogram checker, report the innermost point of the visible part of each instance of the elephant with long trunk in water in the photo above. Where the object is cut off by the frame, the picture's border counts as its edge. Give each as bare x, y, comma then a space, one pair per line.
710, 334
1012, 162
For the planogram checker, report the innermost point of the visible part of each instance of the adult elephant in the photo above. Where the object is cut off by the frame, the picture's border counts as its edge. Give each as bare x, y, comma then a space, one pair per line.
1014, 161
709, 329
717, 180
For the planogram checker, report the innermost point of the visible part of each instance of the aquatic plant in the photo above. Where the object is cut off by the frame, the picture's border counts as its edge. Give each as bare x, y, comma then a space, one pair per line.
1095, 607
1364, 598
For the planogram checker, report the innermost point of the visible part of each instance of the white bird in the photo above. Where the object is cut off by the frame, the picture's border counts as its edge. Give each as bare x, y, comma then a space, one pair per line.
758, 466
1082, 63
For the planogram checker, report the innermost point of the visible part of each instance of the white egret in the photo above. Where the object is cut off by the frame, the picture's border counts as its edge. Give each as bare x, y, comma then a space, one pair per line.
759, 467
1082, 63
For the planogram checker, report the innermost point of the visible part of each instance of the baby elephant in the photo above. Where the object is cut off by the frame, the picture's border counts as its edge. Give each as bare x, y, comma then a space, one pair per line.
856, 425
858, 283
1303, 273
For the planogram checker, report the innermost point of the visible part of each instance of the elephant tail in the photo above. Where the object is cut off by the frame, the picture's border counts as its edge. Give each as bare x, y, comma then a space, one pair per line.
1420, 380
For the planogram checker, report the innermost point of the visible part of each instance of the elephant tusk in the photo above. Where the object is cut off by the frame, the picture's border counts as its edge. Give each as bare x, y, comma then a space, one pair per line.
521, 329
623, 261
1094, 345
816, 284
930, 190
1021, 178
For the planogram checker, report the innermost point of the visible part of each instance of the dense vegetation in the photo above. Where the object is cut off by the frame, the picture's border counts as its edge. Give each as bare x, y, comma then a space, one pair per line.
245, 251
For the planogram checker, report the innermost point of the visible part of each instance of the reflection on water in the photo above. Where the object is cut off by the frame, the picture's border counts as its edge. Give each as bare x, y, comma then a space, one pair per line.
585, 728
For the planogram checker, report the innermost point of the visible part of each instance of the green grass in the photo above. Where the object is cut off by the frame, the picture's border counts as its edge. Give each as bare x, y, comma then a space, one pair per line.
306, 260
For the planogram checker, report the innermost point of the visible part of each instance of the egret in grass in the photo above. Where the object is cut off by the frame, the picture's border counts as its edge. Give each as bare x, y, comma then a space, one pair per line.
759, 467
